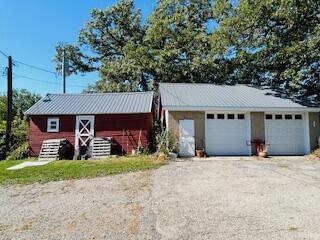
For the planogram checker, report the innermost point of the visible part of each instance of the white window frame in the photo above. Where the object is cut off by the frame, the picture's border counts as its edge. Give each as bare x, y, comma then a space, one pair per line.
50, 120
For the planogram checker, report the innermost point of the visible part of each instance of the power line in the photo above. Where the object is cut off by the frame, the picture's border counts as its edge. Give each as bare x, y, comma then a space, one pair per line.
40, 69
4, 54
35, 67
29, 65
47, 82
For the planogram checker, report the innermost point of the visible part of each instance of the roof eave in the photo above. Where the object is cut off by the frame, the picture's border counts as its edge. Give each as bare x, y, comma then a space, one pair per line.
246, 109
74, 114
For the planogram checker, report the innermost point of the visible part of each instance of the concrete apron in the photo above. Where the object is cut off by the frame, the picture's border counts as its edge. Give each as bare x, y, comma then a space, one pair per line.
241, 158
28, 164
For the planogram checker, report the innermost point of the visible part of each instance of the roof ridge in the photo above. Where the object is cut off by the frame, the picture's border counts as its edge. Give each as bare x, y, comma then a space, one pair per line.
90, 94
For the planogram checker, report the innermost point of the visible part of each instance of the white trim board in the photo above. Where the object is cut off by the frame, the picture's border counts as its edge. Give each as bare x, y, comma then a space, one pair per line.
307, 133
84, 117
241, 109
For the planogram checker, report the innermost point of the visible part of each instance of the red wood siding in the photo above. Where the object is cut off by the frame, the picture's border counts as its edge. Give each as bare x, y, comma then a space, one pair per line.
116, 124
38, 131
107, 125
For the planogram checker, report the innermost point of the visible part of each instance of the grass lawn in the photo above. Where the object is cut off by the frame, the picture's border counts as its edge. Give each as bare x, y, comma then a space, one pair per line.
67, 169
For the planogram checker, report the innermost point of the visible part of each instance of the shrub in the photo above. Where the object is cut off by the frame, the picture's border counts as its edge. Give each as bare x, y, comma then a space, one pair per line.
316, 153
19, 153
166, 142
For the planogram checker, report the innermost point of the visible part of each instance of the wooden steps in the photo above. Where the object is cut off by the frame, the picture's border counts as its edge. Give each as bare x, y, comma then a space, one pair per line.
101, 147
51, 149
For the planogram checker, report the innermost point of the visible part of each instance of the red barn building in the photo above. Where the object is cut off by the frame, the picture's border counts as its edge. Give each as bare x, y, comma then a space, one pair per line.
125, 117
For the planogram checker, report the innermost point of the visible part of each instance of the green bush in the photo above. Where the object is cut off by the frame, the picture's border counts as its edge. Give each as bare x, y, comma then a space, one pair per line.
166, 142
19, 153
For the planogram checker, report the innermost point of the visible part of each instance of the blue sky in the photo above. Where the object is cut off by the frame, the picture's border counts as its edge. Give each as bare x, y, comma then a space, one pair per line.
29, 31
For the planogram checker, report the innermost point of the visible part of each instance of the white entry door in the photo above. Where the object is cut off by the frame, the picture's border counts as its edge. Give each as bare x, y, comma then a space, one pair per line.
227, 134
286, 133
187, 141
84, 131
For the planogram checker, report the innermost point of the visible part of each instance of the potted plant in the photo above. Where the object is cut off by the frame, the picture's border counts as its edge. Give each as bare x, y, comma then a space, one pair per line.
200, 153
165, 145
162, 157
262, 150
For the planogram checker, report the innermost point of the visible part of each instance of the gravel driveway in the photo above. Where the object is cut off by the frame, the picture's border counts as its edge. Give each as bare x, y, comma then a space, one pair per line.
201, 199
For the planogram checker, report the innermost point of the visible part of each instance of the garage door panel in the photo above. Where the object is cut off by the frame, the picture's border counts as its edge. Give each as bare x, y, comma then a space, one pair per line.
285, 136
226, 136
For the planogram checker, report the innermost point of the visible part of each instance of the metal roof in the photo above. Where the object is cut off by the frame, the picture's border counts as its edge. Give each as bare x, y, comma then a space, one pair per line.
100, 103
189, 96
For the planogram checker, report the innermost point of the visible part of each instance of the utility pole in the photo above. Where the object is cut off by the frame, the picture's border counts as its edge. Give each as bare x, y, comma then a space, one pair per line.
9, 105
64, 71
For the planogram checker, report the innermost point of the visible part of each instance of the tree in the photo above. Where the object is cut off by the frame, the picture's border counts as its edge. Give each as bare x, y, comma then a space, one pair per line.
266, 43
173, 46
178, 36
273, 43
114, 38
22, 101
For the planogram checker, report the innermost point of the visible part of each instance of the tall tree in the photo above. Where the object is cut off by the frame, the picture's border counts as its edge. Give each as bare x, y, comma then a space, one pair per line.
178, 36
269, 42
113, 37
173, 46
274, 43
22, 100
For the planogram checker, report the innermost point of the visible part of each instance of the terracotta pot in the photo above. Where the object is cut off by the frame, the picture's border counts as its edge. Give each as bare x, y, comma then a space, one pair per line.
200, 153
162, 157
262, 154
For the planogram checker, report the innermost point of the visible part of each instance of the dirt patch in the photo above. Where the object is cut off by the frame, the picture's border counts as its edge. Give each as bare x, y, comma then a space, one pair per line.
141, 185
27, 225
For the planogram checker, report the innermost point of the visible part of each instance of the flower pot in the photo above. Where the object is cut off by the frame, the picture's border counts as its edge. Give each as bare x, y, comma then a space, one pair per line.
162, 157
262, 154
133, 152
200, 153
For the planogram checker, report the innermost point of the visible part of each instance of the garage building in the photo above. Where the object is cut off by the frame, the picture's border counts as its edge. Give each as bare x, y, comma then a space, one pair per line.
225, 120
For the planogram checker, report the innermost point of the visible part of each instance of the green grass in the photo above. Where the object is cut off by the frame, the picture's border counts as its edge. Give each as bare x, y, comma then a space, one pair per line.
66, 169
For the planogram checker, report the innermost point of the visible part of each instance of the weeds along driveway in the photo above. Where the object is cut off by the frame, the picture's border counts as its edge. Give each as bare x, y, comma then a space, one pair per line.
222, 199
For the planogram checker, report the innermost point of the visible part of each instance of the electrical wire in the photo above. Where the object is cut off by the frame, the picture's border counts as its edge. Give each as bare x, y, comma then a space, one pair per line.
47, 82
3, 54
29, 65
35, 67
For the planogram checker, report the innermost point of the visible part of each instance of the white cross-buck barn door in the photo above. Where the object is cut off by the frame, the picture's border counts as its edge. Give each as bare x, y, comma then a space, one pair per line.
84, 131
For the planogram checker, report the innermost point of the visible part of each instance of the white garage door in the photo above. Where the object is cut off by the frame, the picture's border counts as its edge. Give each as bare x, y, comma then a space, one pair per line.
227, 134
286, 134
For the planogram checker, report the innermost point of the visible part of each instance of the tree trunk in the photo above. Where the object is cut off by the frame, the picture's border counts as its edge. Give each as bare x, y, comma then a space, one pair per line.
144, 83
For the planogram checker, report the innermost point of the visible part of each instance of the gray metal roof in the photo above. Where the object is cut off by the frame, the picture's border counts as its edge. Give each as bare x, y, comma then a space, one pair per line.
100, 103
189, 96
